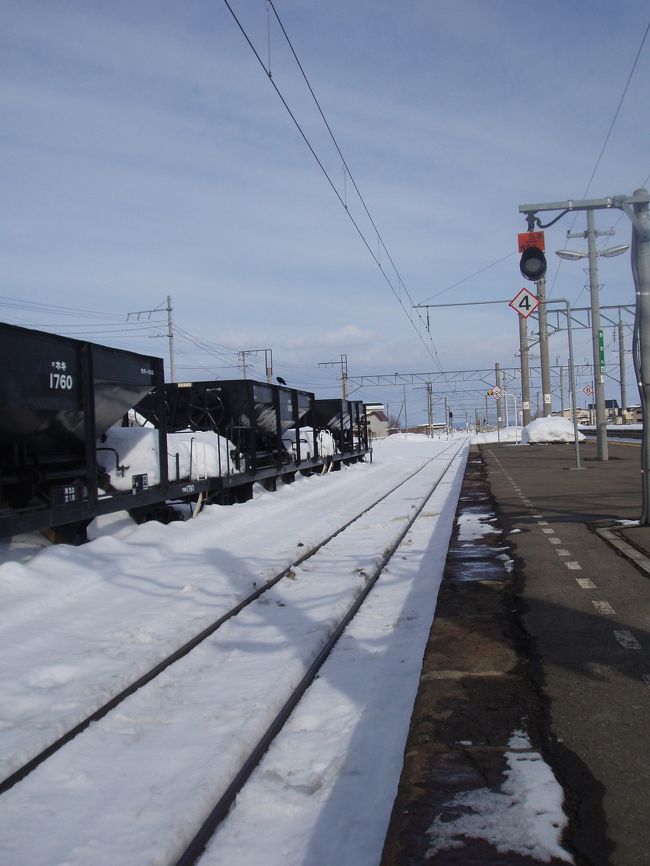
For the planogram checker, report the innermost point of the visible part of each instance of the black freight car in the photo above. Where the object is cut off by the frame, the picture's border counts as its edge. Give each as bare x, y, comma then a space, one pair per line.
253, 416
346, 421
57, 396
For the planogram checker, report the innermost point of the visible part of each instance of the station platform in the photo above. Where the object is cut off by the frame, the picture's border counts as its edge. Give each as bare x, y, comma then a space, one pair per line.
542, 626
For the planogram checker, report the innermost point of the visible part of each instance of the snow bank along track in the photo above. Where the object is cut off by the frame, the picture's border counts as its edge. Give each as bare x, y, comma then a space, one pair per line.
209, 691
226, 800
366, 573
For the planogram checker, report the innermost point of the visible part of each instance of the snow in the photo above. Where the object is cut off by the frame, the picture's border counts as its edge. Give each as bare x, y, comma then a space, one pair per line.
524, 817
539, 431
506, 435
324, 441
79, 624
190, 455
551, 429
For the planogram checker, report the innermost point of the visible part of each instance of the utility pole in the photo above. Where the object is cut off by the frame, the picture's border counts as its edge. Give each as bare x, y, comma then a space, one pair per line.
170, 337
543, 348
596, 334
561, 390
621, 362
343, 364
428, 388
268, 361
138, 315
497, 382
525, 373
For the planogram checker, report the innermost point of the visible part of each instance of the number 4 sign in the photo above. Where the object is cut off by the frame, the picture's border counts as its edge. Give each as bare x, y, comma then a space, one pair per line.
524, 303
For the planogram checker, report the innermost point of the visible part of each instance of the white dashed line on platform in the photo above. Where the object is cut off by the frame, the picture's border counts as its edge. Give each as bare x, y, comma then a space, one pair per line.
585, 583
604, 607
573, 565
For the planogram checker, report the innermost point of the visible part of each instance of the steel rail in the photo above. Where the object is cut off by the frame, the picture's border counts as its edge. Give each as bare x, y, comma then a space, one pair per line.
24, 770
196, 847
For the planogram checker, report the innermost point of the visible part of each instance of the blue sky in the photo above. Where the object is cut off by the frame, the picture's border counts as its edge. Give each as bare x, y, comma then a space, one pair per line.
144, 153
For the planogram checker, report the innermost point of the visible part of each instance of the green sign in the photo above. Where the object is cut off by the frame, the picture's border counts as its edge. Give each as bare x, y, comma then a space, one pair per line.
601, 351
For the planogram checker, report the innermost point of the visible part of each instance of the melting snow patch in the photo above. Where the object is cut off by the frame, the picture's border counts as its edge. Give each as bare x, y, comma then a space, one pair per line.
525, 817
471, 526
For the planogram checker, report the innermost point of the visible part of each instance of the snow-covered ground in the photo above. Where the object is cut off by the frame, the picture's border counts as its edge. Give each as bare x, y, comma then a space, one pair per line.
79, 624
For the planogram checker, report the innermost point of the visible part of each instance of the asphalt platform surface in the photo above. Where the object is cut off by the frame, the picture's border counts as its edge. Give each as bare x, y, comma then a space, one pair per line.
562, 642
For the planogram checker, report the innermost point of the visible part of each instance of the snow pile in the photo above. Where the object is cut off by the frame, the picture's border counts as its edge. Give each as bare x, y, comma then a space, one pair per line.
525, 817
546, 430
507, 434
190, 455
324, 441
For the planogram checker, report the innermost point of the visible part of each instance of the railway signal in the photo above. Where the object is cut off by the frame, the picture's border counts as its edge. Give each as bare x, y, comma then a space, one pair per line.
533, 261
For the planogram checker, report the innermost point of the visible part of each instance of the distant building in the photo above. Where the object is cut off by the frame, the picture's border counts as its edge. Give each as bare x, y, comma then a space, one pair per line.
613, 414
377, 420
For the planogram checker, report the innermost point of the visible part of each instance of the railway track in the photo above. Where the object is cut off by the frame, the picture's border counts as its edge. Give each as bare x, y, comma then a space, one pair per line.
325, 582
187, 646
197, 845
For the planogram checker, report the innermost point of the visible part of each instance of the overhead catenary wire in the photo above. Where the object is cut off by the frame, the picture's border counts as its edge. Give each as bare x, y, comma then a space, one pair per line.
470, 276
375, 256
602, 152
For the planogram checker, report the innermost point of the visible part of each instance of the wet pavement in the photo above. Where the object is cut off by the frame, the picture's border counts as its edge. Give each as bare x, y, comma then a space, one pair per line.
474, 692
542, 625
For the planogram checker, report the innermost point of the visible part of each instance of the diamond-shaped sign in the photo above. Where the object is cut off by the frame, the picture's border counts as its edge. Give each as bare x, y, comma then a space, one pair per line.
496, 393
524, 303
588, 390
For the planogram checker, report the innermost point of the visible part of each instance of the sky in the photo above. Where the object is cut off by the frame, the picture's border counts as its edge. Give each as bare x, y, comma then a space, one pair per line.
144, 153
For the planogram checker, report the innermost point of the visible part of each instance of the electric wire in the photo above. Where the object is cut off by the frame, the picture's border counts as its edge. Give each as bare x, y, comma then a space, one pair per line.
358, 229
601, 153
465, 279
347, 173
618, 109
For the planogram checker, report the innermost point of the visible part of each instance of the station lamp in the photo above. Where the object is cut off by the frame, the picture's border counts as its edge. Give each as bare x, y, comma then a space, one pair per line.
609, 253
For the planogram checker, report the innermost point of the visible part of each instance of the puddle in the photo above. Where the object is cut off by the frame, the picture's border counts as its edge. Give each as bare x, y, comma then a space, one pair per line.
476, 549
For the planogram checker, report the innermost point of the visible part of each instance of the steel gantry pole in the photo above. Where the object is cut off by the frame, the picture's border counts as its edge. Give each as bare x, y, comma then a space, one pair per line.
621, 364
547, 406
599, 377
497, 381
572, 377
525, 373
641, 347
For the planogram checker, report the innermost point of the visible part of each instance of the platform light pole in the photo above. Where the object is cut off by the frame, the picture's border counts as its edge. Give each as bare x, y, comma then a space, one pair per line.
596, 334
